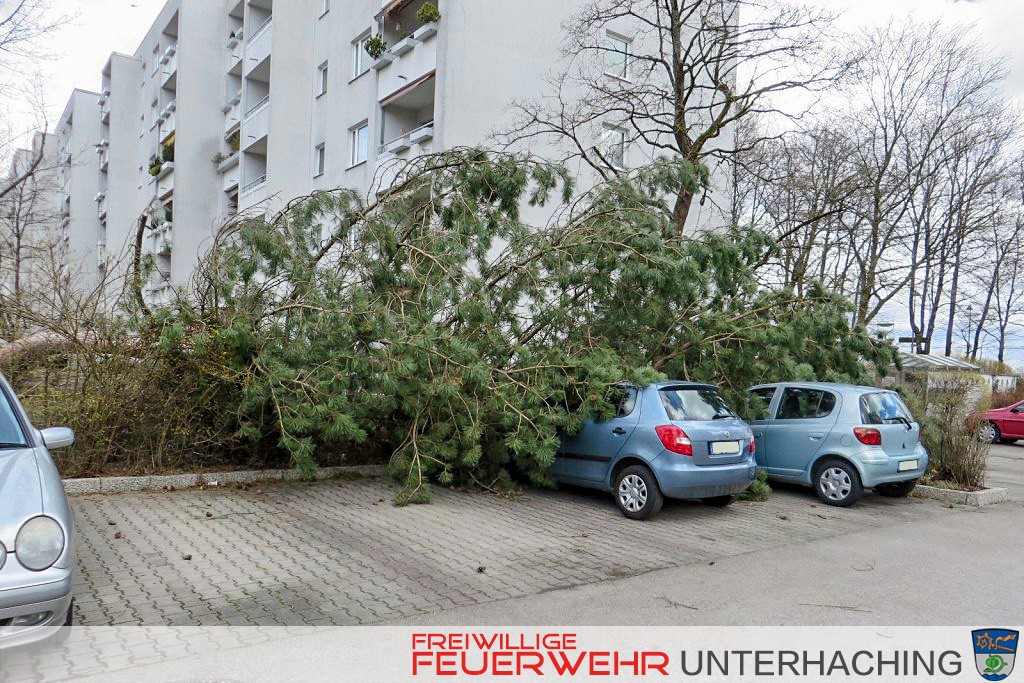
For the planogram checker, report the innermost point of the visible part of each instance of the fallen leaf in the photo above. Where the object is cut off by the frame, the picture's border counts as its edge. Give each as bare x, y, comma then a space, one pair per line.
118, 536
187, 558
209, 514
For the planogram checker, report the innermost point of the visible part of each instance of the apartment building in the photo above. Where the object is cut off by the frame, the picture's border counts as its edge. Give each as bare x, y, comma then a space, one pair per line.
243, 105
79, 189
32, 217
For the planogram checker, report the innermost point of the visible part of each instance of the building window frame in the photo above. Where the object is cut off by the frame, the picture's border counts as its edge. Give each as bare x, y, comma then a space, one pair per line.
320, 159
618, 56
614, 144
359, 141
361, 61
323, 73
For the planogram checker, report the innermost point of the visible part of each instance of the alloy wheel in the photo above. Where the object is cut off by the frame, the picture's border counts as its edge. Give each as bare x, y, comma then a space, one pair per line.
835, 483
632, 493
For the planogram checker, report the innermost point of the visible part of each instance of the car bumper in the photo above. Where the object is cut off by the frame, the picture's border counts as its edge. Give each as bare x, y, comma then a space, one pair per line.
680, 479
888, 471
52, 598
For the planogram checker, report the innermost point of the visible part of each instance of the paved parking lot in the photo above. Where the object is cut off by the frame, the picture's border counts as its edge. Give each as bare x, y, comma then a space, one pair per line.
340, 553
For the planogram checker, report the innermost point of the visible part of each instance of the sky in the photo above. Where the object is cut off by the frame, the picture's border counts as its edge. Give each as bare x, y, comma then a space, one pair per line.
99, 27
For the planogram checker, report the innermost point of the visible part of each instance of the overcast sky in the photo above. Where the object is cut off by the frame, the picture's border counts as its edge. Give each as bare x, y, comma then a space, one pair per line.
100, 27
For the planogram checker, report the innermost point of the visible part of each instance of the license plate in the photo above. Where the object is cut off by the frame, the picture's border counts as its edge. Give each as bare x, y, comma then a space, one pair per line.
907, 466
725, 447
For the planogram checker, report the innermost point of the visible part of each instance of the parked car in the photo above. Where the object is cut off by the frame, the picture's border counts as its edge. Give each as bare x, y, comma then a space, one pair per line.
1003, 425
674, 439
839, 439
36, 529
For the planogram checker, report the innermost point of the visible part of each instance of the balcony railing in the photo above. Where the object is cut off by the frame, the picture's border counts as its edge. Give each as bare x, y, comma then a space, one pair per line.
407, 140
262, 29
256, 107
256, 184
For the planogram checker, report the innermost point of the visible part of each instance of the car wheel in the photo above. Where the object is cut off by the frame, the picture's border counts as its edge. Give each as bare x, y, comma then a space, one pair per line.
837, 483
897, 489
719, 501
637, 493
988, 433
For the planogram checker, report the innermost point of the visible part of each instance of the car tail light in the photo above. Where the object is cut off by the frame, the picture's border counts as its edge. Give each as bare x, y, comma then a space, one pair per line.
869, 436
675, 439
752, 447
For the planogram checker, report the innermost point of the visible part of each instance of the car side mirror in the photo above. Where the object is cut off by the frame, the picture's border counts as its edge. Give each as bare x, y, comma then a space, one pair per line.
58, 437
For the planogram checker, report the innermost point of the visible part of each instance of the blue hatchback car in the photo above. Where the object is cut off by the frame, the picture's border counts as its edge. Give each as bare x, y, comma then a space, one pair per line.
837, 438
674, 439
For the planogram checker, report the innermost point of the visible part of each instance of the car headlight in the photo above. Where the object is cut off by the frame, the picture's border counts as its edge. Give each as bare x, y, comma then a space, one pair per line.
39, 544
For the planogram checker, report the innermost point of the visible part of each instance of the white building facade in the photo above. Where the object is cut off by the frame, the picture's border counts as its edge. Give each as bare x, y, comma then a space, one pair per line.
241, 105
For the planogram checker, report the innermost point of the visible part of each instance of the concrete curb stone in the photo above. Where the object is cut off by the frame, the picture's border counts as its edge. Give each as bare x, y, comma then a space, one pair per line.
972, 498
111, 485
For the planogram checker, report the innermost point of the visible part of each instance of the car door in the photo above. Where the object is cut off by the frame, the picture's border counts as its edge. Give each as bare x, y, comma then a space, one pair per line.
803, 419
1014, 422
586, 457
759, 418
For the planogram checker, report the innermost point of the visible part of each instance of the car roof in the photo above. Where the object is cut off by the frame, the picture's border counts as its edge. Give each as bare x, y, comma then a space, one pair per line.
855, 388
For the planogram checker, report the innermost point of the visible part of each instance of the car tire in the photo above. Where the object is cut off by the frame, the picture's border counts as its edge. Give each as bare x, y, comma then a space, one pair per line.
837, 483
719, 501
989, 433
896, 489
637, 494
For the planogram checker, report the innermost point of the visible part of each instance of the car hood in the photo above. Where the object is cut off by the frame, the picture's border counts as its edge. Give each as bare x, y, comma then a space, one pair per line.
21, 492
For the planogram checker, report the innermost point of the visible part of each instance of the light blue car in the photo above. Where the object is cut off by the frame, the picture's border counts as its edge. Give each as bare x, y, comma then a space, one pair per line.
837, 438
674, 439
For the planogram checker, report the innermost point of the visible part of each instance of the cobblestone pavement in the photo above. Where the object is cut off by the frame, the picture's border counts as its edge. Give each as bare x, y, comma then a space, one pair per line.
335, 553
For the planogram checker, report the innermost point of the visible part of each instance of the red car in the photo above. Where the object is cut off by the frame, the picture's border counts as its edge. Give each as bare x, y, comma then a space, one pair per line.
1004, 425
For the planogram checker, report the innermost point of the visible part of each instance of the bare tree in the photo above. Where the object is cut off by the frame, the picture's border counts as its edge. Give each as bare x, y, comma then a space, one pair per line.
676, 76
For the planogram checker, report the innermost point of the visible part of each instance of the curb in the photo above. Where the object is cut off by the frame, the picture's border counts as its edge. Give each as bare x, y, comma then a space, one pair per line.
973, 498
84, 487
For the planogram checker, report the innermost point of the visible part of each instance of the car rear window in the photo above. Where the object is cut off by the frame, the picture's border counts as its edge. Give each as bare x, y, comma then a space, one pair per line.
11, 435
694, 404
883, 408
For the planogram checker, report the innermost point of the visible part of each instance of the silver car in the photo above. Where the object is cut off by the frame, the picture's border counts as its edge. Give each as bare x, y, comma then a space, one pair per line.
36, 529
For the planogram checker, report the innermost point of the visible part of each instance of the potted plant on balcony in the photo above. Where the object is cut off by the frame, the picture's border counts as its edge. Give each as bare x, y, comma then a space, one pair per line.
375, 46
235, 141
155, 164
428, 13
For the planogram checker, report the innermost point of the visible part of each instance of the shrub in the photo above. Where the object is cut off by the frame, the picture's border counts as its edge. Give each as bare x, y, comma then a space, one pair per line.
428, 13
759, 491
950, 429
375, 46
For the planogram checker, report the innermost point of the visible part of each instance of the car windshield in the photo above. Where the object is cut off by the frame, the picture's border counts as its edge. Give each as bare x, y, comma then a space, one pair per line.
11, 435
694, 404
883, 408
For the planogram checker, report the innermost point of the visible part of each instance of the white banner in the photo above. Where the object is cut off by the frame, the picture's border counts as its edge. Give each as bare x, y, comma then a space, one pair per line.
393, 654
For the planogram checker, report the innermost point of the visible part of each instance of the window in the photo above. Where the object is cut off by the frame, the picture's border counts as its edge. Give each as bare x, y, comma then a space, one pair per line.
883, 409
617, 53
360, 143
324, 79
361, 59
802, 404
319, 159
11, 435
623, 398
614, 147
694, 404
761, 402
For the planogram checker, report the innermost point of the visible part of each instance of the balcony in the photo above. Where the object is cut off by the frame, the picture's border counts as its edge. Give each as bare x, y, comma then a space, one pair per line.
101, 204
258, 49
254, 185
232, 113
410, 61
169, 68
164, 180
256, 124
406, 141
